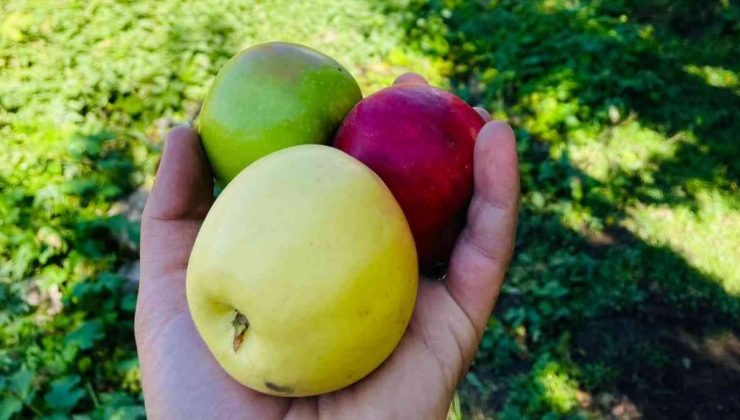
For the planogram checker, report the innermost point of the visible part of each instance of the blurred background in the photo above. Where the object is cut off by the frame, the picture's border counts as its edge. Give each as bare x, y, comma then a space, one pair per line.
623, 298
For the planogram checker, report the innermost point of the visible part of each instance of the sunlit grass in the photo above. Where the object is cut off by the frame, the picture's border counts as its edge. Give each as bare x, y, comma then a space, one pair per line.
626, 149
707, 236
618, 130
703, 228
715, 76
88, 90
559, 390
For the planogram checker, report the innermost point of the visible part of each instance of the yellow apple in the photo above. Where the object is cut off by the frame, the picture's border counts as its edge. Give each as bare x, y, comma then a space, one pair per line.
303, 276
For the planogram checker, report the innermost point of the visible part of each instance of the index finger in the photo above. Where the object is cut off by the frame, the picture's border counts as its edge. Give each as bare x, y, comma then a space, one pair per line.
482, 253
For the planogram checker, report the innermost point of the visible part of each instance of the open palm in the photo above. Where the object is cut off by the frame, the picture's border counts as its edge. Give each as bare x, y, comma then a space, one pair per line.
180, 378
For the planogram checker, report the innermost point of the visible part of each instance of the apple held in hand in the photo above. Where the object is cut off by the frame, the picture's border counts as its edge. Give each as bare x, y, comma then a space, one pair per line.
269, 97
420, 141
303, 276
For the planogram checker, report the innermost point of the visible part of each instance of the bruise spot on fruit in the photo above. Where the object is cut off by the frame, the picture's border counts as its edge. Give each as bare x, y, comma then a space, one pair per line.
278, 388
241, 325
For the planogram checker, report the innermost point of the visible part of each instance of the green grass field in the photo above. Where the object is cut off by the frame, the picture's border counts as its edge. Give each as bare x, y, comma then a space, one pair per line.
624, 293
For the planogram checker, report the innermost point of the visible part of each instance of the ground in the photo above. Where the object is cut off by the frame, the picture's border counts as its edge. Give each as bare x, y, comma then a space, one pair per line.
623, 298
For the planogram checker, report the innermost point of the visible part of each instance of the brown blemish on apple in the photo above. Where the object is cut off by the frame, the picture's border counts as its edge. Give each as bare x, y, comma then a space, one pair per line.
278, 388
241, 324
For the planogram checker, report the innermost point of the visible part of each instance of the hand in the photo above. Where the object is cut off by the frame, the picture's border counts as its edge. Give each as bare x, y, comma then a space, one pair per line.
181, 379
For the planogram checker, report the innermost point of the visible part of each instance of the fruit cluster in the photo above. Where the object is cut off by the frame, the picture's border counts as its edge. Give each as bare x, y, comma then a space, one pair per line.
304, 274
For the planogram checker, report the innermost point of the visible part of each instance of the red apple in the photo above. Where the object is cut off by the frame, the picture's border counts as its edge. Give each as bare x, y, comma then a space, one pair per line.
420, 141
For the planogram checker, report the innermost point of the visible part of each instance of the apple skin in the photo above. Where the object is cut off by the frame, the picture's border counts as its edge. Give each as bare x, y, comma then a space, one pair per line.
420, 141
312, 249
271, 96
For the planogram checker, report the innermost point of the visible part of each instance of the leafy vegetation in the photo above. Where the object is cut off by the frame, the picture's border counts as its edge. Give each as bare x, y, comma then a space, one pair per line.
624, 277
87, 90
623, 293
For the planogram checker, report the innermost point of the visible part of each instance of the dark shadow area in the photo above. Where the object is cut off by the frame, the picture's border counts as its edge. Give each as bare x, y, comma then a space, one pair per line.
83, 326
688, 34
108, 174
687, 20
105, 298
597, 57
667, 370
628, 319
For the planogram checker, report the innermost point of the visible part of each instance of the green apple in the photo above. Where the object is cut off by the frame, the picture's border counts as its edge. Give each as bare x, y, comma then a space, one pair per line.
303, 276
269, 97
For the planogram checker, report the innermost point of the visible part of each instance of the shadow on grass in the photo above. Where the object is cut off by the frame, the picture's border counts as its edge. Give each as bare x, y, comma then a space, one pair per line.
68, 311
623, 317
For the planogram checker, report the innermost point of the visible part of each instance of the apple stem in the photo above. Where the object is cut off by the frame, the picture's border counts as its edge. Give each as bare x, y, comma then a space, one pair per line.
241, 324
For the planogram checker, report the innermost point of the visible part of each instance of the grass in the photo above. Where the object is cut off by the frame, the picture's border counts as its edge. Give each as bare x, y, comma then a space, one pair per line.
623, 293
626, 115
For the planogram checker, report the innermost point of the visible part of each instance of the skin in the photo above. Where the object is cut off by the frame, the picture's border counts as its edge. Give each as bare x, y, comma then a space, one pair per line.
182, 380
